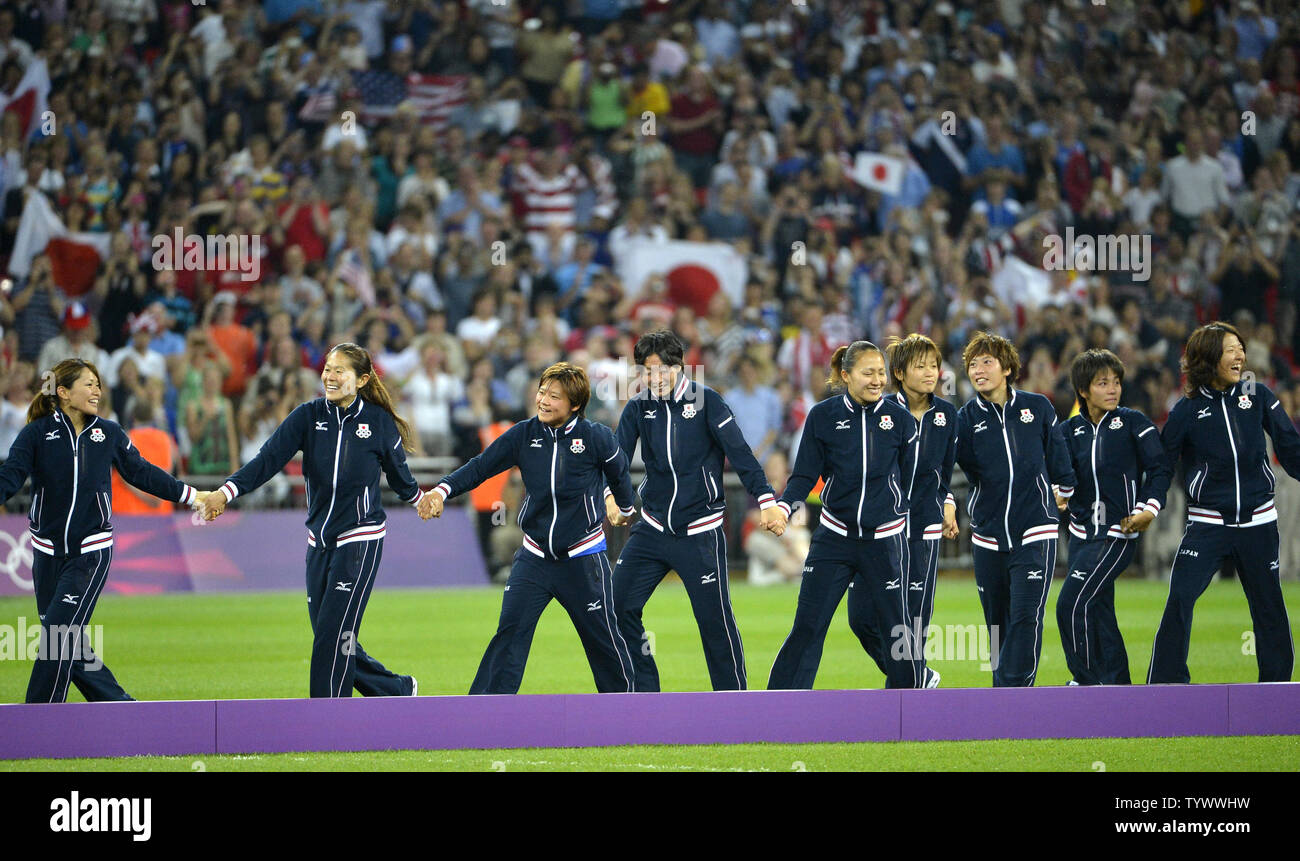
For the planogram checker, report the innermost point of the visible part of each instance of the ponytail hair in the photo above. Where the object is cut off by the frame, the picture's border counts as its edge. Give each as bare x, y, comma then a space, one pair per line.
63, 375
374, 391
845, 359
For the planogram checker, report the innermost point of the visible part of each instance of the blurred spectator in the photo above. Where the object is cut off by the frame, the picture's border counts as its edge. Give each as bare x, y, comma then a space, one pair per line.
77, 341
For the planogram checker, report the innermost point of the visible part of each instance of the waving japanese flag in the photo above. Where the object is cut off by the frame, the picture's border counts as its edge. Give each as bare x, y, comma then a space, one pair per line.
879, 172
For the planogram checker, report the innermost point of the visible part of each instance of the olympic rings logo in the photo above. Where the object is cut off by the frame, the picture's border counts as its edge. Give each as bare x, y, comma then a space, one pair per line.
18, 557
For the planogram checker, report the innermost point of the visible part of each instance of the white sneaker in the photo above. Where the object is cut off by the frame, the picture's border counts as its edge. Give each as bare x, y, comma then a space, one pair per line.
1072, 683
931, 680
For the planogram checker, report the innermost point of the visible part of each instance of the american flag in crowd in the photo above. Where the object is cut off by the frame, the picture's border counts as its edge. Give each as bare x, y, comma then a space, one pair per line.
353, 271
434, 97
321, 106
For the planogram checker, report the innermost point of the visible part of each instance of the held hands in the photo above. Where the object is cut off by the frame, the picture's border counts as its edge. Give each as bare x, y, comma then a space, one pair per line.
210, 505
950, 529
1137, 522
616, 517
430, 506
1061, 502
773, 519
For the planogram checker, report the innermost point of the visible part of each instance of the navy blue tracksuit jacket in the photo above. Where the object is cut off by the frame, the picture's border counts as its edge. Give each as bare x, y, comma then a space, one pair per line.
70, 520
1219, 439
344, 451
866, 455
1012, 458
1121, 470
685, 439
565, 472
72, 481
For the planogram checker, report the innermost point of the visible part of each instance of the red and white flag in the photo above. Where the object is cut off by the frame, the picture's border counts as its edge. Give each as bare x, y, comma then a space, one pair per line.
878, 172
30, 98
74, 257
694, 271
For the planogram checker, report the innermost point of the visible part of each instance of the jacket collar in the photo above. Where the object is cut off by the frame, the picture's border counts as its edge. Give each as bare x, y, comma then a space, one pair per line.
853, 406
1215, 394
682, 385
351, 412
902, 400
560, 431
983, 402
62, 417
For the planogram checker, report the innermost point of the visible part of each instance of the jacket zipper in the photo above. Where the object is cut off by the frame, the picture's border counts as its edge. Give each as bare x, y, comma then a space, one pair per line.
334, 482
72, 507
555, 510
1096, 482
668, 440
1236, 467
1011, 474
862, 494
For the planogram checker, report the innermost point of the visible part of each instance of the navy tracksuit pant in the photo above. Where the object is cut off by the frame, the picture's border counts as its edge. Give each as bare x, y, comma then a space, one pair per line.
1085, 611
1202, 551
1013, 587
339, 581
67, 589
701, 563
583, 588
833, 562
920, 601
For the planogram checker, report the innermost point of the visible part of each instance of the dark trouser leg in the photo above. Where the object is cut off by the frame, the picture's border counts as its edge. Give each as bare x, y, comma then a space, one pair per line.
1256, 551
1202, 549
526, 595
641, 568
1081, 605
884, 564
995, 598
67, 589
925, 570
1113, 656
1029, 577
583, 587
827, 572
862, 621
701, 562
336, 651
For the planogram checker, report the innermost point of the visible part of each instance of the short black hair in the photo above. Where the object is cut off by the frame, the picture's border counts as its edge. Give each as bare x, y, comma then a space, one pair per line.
662, 343
1087, 365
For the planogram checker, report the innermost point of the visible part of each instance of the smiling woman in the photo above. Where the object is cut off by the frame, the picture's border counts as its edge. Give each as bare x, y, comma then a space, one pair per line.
863, 445
347, 438
70, 452
566, 462
1217, 429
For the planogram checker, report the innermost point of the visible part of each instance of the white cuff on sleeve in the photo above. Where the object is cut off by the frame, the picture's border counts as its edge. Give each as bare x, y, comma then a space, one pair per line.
230, 491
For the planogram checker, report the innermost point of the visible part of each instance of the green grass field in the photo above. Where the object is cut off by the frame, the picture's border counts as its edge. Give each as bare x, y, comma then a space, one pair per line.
257, 645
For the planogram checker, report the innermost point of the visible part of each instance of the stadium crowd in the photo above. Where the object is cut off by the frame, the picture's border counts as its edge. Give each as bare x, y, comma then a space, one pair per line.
456, 185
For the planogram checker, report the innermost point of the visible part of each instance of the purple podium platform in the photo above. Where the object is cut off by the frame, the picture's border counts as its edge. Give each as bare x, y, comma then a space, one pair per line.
592, 720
